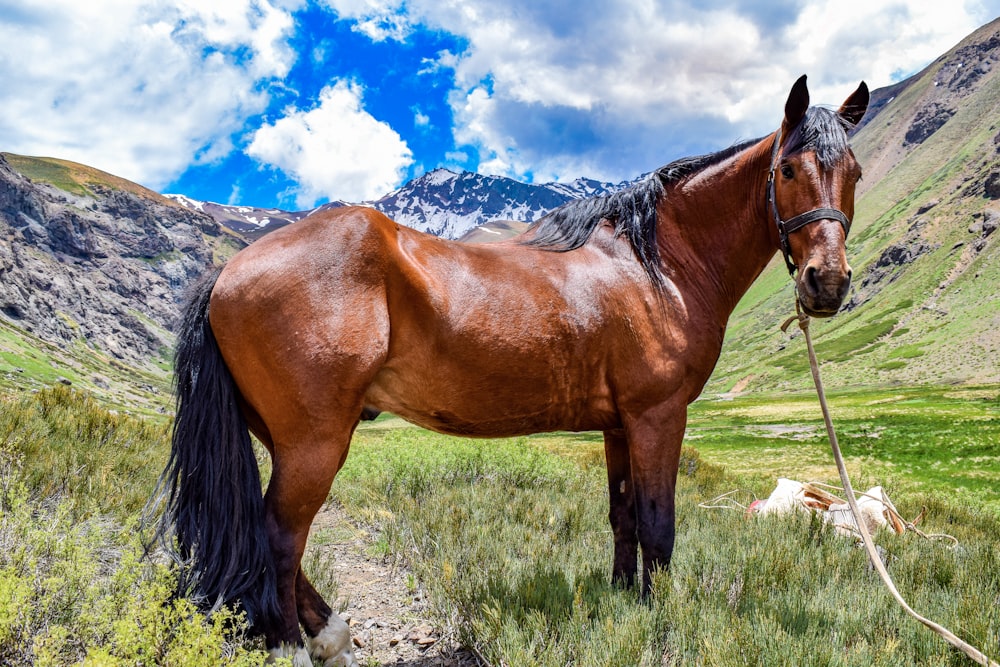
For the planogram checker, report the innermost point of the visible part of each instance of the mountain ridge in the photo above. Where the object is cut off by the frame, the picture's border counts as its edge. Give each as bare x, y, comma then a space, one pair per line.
94, 271
442, 202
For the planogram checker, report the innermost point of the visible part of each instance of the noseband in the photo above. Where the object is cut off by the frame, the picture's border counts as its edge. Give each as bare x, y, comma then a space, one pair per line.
786, 227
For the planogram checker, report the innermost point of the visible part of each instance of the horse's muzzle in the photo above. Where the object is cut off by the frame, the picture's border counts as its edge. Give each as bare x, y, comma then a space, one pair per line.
822, 289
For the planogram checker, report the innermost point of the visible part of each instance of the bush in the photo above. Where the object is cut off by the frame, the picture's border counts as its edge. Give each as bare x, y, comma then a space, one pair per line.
73, 584
70, 446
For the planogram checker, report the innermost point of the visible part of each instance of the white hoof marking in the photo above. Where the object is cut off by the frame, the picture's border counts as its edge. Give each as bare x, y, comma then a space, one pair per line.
333, 644
298, 655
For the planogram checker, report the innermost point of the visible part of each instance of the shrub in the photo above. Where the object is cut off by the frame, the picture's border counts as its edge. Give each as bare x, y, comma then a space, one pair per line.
73, 584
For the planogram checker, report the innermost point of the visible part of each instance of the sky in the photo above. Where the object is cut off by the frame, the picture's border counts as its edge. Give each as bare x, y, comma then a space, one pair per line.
292, 103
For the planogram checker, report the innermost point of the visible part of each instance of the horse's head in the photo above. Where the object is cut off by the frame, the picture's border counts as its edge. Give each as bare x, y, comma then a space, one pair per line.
811, 195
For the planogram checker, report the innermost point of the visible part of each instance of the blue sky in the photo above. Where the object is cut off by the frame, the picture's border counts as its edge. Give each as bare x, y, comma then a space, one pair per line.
291, 103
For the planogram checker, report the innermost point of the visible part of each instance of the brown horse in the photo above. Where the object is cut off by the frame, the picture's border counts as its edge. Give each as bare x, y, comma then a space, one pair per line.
607, 315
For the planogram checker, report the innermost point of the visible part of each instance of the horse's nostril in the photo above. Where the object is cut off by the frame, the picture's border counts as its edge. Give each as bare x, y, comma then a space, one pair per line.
811, 280
846, 285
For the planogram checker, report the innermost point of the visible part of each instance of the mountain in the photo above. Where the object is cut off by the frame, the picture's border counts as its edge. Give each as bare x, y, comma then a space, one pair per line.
93, 271
248, 221
925, 303
498, 230
441, 202
448, 204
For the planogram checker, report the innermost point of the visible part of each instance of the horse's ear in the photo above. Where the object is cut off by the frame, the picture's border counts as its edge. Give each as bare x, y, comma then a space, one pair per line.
797, 104
855, 106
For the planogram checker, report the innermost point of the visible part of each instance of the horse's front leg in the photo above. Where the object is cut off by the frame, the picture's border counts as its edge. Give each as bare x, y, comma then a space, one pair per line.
654, 443
621, 492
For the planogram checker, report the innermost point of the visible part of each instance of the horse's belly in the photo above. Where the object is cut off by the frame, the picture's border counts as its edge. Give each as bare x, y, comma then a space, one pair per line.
492, 407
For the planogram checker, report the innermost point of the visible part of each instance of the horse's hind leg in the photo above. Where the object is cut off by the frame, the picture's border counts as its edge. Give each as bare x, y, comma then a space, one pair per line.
300, 482
330, 637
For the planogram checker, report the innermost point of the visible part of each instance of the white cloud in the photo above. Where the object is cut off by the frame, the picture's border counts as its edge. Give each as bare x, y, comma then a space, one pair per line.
878, 41
555, 89
597, 87
336, 150
378, 19
141, 90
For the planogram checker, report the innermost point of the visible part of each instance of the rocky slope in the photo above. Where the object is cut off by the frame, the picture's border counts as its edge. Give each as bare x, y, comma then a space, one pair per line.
97, 265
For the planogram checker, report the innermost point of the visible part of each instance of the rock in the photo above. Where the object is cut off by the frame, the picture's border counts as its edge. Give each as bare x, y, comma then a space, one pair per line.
110, 268
928, 120
990, 225
991, 186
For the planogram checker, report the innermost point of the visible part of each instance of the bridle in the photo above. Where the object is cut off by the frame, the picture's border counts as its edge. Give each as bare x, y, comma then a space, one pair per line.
786, 227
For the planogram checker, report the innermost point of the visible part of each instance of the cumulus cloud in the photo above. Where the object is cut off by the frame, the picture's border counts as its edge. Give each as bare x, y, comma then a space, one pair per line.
378, 19
542, 90
141, 90
568, 87
336, 150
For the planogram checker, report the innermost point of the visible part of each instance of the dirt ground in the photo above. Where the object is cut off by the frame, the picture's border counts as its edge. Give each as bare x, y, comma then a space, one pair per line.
386, 609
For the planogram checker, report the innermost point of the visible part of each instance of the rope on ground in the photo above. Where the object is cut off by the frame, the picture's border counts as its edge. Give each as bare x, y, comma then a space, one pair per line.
966, 648
728, 501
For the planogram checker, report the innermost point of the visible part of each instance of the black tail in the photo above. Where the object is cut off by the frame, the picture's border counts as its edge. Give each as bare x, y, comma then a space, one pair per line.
211, 485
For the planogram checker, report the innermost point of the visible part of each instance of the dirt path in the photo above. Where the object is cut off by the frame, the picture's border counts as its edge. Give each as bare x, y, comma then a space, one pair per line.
386, 609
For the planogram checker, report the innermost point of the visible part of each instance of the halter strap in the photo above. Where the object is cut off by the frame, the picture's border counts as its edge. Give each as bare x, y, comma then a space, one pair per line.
786, 227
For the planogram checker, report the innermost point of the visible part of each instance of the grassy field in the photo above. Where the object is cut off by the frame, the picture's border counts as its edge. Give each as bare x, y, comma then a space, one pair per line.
511, 541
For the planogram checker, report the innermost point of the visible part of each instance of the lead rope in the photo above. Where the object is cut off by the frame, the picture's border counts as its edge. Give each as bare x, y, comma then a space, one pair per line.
876, 561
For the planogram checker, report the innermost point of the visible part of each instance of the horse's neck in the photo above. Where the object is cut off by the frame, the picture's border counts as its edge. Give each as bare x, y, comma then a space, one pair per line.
719, 237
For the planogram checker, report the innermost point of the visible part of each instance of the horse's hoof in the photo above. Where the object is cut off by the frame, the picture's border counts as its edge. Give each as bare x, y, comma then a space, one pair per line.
298, 655
333, 644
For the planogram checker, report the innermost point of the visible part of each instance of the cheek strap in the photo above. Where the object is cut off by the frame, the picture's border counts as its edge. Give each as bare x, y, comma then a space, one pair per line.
786, 227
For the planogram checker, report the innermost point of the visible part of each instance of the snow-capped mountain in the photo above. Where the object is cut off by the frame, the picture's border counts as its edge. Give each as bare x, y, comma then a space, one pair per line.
441, 202
450, 204
248, 221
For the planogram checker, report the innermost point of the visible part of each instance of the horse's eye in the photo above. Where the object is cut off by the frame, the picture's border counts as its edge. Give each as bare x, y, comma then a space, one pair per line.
787, 172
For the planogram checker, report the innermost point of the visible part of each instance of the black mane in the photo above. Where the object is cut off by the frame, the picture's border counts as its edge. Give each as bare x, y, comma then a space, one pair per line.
633, 209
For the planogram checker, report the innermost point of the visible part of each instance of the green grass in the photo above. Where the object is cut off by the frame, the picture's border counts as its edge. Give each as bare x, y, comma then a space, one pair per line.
923, 441
74, 177
512, 541
74, 588
510, 538
47, 171
73, 448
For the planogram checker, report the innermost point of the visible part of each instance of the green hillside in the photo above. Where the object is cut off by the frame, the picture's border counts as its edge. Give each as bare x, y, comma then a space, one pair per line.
28, 363
77, 178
